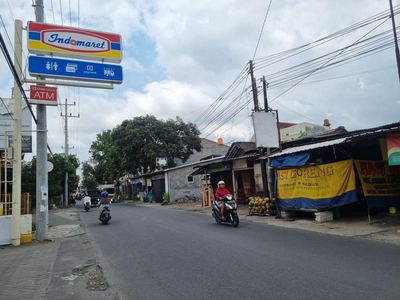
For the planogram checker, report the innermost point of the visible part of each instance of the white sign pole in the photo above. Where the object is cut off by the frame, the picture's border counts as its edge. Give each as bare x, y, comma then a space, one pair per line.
17, 139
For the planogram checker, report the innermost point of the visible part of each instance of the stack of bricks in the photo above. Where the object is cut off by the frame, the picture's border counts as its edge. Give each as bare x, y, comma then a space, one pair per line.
323, 216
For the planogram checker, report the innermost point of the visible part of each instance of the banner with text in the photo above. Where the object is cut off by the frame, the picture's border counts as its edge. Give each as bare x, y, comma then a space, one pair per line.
393, 148
317, 187
380, 182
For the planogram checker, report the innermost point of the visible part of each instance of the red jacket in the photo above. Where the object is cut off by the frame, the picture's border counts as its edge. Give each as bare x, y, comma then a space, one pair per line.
219, 193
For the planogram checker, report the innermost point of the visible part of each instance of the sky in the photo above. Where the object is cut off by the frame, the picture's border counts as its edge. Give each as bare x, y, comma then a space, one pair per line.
181, 56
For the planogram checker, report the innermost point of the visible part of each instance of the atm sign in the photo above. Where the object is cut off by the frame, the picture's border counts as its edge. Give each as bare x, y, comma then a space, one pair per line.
43, 95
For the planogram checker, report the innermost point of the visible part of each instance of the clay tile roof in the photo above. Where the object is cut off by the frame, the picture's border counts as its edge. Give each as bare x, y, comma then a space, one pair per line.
283, 125
239, 149
206, 143
338, 130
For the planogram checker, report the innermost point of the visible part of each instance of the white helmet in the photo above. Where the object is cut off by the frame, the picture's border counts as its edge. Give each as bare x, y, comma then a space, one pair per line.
221, 182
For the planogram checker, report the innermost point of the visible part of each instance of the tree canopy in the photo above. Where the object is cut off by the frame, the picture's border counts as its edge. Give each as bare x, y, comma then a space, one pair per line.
107, 164
88, 179
135, 144
56, 178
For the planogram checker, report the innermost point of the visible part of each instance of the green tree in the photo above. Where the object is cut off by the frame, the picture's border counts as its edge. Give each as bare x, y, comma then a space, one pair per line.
62, 165
105, 156
28, 180
56, 178
139, 141
88, 178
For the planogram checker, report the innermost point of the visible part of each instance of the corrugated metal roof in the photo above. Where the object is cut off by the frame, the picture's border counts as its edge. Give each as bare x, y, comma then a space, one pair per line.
243, 156
307, 147
199, 164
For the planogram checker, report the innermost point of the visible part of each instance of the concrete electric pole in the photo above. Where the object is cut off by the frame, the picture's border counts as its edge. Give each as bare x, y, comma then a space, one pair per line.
66, 147
42, 214
396, 47
17, 139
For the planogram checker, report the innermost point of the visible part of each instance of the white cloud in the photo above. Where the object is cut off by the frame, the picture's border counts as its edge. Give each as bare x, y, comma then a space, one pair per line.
180, 55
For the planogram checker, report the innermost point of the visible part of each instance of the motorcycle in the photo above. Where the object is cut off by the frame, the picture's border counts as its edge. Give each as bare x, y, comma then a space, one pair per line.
230, 213
105, 215
86, 203
87, 206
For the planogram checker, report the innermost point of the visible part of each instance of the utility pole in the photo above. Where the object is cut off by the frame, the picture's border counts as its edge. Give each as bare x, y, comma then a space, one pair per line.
254, 86
257, 109
264, 169
396, 48
266, 108
42, 205
66, 147
17, 140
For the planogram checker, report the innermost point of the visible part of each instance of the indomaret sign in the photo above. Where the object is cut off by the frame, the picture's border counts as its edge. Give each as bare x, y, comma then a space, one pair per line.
43, 95
54, 40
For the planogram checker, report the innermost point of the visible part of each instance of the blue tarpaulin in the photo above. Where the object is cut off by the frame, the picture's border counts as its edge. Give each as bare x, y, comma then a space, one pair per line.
136, 181
290, 160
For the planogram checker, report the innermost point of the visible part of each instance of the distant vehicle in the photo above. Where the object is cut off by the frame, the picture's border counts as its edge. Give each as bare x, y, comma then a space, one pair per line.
110, 189
95, 196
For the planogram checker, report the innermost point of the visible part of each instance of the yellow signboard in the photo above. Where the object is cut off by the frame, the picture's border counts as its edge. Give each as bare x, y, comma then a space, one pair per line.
316, 182
377, 178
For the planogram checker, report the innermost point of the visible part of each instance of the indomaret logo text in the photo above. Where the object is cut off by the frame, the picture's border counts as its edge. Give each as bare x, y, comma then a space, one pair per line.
75, 41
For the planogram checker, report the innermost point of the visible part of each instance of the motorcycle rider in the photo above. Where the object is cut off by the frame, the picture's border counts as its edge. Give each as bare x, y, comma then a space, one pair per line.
219, 194
104, 201
86, 199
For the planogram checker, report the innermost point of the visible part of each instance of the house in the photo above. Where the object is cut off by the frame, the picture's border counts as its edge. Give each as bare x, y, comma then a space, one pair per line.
303, 130
236, 169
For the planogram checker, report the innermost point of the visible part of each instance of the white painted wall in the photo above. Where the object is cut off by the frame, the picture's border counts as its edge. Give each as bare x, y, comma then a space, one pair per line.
5, 227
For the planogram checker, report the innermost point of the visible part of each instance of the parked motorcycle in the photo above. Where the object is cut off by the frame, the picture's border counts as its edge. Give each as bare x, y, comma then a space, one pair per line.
105, 215
230, 213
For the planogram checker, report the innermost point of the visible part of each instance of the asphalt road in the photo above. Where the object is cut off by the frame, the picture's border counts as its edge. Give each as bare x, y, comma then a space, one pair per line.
157, 253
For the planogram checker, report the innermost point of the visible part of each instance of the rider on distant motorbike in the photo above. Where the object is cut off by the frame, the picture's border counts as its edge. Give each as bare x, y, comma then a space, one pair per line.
86, 199
104, 201
219, 195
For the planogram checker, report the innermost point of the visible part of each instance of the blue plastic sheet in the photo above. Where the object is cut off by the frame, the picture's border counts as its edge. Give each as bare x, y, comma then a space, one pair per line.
290, 160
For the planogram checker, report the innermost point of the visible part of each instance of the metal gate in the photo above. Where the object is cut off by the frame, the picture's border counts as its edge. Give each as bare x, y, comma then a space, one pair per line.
158, 189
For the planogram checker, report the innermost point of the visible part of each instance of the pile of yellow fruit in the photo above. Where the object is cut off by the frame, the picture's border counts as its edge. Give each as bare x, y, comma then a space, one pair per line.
260, 205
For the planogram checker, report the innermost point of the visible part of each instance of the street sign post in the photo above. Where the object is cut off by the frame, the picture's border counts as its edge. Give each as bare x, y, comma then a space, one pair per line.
74, 69
43, 95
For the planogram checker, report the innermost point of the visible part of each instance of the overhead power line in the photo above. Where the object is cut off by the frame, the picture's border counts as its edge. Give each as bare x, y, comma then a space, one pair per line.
327, 61
217, 116
262, 29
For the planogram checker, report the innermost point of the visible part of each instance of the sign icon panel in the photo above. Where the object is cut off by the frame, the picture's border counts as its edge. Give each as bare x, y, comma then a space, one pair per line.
74, 69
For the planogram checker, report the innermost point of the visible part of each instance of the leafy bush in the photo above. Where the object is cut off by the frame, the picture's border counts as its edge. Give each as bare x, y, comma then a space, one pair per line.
122, 198
165, 197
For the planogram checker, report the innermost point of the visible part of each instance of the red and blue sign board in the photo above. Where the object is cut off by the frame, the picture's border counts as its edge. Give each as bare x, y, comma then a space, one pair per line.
54, 40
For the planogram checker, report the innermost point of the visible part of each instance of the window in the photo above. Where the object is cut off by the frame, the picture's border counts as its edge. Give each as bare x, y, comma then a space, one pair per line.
190, 178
